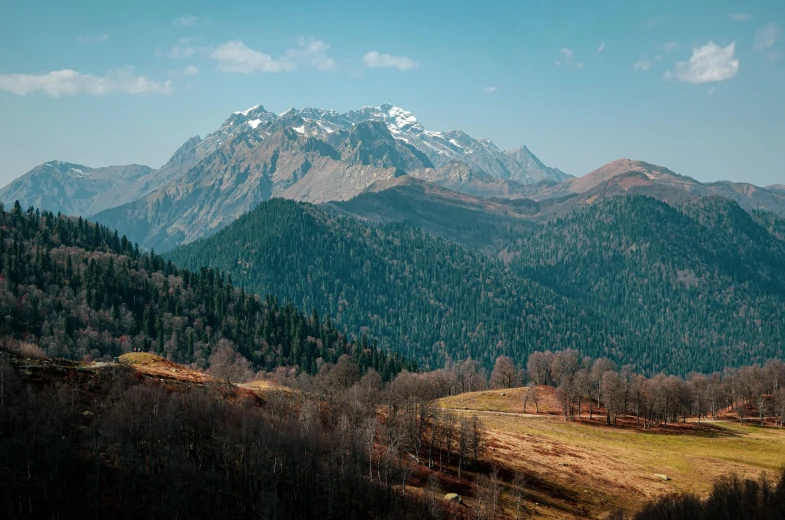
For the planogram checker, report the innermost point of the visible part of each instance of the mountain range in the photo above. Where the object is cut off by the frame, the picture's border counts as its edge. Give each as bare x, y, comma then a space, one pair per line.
445, 247
78, 189
323, 156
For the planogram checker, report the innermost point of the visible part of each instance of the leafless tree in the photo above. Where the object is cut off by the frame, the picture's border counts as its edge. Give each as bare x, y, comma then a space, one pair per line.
598, 369
531, 394
538, 367
229, 365
519, 489
504, 374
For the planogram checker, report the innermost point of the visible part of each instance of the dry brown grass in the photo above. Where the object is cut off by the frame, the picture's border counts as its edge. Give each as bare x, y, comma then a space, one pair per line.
586, 469
265, 385
156, 366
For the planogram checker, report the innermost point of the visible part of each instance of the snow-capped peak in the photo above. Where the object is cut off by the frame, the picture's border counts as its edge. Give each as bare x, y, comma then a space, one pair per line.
246, 112
399, 117
65, 168
441, 148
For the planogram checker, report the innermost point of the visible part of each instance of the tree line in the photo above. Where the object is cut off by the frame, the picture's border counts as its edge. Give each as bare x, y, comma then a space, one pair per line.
79, 291
755, 392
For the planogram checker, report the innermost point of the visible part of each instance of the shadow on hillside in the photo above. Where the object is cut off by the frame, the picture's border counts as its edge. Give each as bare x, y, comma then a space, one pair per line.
538, 492
703, 430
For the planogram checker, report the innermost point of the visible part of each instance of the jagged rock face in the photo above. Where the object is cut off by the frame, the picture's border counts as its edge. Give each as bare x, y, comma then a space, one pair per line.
247, 168
441, 148
330, 156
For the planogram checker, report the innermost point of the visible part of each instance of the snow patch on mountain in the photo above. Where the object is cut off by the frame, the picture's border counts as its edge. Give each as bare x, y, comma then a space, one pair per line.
247, 111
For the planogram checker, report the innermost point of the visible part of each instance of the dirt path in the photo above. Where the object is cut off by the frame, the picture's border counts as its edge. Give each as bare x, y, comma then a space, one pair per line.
512, 414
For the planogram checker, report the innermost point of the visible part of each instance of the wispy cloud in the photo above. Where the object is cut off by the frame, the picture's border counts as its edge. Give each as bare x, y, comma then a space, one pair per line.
641, 65
375, 59
709, 63
490, 90
767, 36
601, 47
312, 53
235, 56
711, 91
182, 50
740, 17
568, 60
68, 82
669, 46
185, 20
86, 40
188, 70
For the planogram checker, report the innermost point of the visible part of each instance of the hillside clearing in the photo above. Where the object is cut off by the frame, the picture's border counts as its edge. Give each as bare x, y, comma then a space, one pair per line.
587, 469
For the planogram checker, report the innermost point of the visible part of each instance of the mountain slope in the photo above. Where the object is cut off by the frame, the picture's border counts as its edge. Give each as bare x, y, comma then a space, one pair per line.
421, 296
699, 286
441, 148
457, 176
475, 222
78, 291
641, 178
628, 277
247, 169
74, 189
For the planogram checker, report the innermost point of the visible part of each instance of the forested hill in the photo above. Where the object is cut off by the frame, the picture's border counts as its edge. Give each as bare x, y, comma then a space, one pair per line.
630, 277
76, 289
424, 297
700, 288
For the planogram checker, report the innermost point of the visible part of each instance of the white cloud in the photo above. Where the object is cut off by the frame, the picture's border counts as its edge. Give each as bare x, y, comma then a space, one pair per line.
642, 65
374, 60
185, 20
190, 69
490, 90
708, 64
84, 40
740, 17
658, 58
235, 56
774, 55
311, 52
669, 46
767, 36
68, 82
711, 91
569, 60
601, 47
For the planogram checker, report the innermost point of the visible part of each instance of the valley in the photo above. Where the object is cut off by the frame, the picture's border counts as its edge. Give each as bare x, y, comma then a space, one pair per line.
383, 305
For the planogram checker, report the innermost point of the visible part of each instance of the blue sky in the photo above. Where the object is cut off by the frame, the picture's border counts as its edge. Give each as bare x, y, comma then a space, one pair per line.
696, 86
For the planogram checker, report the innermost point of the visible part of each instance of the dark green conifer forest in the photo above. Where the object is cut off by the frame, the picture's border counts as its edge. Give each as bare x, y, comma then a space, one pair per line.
76, 290
699, 287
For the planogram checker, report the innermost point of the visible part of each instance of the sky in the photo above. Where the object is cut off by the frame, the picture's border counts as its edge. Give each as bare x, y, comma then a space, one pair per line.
698, 86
